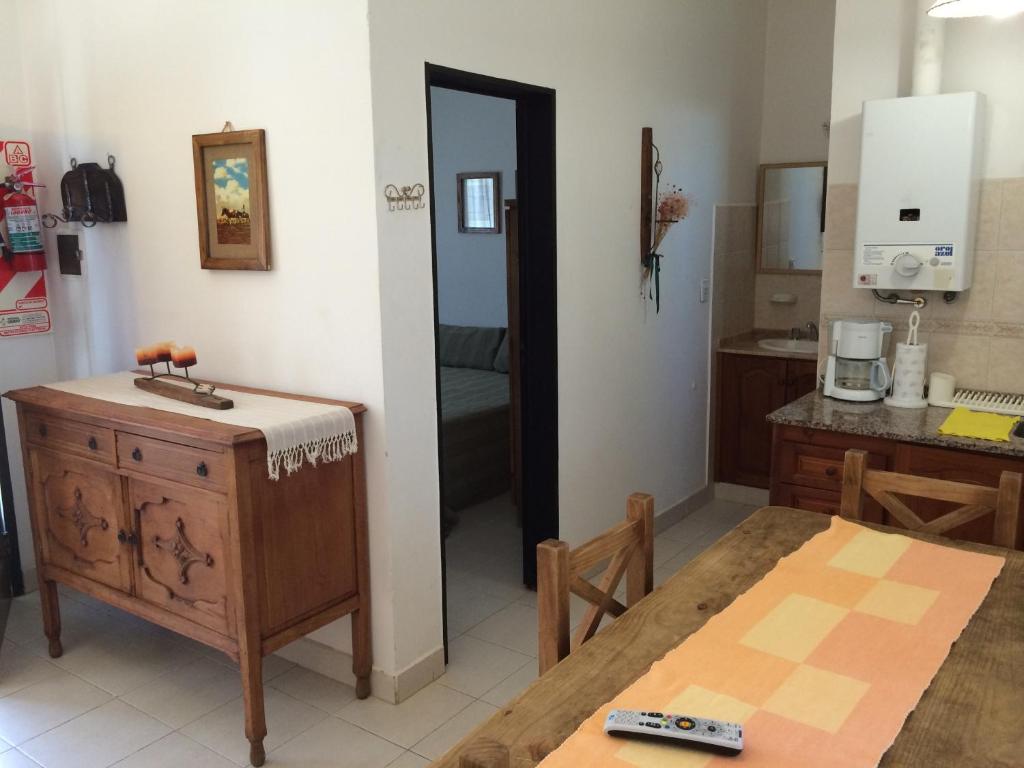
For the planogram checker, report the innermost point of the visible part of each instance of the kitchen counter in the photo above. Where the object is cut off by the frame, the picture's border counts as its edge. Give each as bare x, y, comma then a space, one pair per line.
907, 425
746, 344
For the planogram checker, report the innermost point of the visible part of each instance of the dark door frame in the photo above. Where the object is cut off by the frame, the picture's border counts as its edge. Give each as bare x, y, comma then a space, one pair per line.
8, 523
538, 330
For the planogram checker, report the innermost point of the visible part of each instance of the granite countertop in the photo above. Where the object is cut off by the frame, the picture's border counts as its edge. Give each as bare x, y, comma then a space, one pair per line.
908, 425
746, 344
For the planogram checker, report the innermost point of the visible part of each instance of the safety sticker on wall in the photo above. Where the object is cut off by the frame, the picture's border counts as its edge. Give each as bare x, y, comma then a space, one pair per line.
24, 307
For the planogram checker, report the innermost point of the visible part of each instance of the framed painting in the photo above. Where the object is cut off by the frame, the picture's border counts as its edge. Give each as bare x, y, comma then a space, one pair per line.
231, 200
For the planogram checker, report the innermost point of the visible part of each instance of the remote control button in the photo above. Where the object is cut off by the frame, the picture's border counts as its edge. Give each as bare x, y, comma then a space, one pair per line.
654, 725
655, 714
712, 728
686, 724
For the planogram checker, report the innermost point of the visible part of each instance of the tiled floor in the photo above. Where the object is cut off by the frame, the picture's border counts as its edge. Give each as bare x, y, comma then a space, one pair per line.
130, 694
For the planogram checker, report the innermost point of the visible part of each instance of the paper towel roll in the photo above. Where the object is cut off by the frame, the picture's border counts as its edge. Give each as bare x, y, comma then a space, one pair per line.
941, 387
908, 376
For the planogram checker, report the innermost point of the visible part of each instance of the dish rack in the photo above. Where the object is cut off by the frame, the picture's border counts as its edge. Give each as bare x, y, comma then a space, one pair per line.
980, 400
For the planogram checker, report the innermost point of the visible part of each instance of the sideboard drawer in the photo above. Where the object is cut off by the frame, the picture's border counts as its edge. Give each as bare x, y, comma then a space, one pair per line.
816, 466
74, 437
183, 463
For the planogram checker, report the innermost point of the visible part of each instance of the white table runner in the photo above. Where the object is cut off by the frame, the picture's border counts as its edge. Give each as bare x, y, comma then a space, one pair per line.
296, 430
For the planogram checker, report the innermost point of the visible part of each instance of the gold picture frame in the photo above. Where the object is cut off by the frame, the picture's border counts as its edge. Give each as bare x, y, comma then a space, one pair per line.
231, 200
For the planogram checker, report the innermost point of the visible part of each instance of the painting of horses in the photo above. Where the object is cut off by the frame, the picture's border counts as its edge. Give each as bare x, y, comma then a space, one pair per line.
231, 198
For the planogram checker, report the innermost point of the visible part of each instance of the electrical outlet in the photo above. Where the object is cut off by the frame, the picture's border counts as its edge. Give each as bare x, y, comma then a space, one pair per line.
705, 290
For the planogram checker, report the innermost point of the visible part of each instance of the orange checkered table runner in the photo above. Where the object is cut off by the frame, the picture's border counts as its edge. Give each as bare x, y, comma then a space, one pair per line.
821, 661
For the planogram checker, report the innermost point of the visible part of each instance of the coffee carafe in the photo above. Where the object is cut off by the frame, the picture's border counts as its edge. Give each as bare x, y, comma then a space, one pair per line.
856, 369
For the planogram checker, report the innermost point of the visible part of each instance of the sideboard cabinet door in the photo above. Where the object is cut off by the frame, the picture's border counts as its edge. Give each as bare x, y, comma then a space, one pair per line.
182, 553
82, 510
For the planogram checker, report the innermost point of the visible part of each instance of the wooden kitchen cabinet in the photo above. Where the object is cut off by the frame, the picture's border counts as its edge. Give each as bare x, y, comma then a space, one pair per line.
174, 519
807, 473
749, 388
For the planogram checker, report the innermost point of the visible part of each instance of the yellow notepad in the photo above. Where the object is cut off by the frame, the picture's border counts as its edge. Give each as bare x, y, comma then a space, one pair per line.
985, 426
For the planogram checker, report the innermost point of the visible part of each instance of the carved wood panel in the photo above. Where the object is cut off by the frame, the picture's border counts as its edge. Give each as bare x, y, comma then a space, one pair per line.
182, 549
82, 507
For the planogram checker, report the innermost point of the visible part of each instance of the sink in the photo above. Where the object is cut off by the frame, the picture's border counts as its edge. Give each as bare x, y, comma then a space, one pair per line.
803, 346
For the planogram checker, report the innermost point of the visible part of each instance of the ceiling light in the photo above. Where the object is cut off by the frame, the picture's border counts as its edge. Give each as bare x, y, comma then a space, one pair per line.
958, 9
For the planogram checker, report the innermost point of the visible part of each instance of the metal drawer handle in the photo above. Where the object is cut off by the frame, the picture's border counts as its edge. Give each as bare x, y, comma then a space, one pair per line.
42, 430
93, 445
137, 454
830, 471
201, 469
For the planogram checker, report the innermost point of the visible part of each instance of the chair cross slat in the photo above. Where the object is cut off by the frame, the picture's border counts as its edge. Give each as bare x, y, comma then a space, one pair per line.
609, 582
975, 500
629, 548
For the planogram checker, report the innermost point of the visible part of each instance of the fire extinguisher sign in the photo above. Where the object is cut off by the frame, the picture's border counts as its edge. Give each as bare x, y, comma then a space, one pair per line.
24, 306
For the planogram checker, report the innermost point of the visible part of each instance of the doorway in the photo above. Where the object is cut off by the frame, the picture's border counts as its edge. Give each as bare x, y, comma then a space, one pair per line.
531, 314
11, 581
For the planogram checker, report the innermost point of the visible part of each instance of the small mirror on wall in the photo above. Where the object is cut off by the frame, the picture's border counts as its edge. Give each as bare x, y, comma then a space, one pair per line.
479, 202
791, 217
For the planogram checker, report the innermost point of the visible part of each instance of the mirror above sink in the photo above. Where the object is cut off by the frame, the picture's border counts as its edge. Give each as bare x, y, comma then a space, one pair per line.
791, 217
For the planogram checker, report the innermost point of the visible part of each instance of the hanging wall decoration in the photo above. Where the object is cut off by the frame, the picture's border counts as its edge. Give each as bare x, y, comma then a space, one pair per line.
405, 198
672, 207
231, 199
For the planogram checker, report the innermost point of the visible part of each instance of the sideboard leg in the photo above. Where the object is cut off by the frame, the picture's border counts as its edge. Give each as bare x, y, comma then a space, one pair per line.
252, 694
362, 653
51, 616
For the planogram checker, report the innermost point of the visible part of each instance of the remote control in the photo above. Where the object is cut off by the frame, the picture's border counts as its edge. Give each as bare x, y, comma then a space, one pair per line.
715, 735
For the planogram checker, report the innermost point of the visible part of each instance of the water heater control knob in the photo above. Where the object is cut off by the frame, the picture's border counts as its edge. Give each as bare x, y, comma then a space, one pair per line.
906, 264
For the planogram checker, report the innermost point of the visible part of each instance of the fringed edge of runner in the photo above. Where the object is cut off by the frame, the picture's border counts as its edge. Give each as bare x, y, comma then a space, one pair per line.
325, 450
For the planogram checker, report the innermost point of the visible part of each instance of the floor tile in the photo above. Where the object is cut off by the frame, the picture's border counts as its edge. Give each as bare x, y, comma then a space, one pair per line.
666, 548
514, 627
409, 760
448, 735
181, 695
4, 746
475, 666
175, 751
315, 689
223, 730
45, 705
121, 663
96, 739
19, 668
512, 686
408, 722
15, 759
273, 665
469, 611
334, 742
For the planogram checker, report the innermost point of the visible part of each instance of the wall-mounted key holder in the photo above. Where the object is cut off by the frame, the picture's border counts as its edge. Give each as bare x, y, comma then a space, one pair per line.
91, 195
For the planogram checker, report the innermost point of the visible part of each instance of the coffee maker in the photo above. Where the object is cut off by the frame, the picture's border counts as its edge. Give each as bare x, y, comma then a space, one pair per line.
856, 369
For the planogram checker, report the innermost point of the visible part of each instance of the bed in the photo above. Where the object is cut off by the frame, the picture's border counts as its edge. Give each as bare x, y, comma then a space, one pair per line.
475, 446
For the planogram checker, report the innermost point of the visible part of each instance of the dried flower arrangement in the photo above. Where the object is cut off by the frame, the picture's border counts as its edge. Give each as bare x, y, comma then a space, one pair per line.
673, 207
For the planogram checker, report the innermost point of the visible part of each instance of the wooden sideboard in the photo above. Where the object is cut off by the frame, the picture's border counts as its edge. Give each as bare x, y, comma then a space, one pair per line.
807, 473
174, 519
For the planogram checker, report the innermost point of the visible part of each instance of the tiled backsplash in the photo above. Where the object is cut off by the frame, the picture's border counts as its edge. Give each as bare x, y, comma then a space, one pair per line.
741, 296
979, 338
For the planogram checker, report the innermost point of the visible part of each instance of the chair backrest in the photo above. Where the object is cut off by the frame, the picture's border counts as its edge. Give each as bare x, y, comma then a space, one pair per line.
976, 500
629, 548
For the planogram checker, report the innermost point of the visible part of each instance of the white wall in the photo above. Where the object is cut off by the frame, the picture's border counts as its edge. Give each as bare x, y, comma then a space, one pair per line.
136, 79
632, 384
28, 360
987, 55
797, 80
471, 133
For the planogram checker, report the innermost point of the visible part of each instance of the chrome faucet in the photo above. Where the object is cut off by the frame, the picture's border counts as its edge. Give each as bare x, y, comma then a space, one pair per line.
812, 331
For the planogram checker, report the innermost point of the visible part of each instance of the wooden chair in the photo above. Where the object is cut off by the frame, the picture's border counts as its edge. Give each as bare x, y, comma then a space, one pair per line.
976, 500
629, 547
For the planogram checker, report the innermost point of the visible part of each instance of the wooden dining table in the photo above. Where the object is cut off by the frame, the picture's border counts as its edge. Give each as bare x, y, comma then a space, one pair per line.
971, 716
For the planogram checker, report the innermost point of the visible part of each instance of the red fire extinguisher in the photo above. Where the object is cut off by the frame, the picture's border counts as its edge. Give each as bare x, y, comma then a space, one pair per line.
24, 233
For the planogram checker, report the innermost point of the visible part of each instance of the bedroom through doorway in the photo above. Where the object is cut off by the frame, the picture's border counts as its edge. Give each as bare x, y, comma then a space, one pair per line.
491, 148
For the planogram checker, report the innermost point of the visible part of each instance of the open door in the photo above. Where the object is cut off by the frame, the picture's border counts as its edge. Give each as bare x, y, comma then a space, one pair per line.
515, 402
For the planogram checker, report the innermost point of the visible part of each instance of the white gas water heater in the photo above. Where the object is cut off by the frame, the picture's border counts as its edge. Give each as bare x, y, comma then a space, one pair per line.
918, 195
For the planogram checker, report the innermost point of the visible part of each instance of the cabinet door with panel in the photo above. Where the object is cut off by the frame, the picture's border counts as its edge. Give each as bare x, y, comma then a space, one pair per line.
81, 507
182, 552
801, 378
750, 387
961, 467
